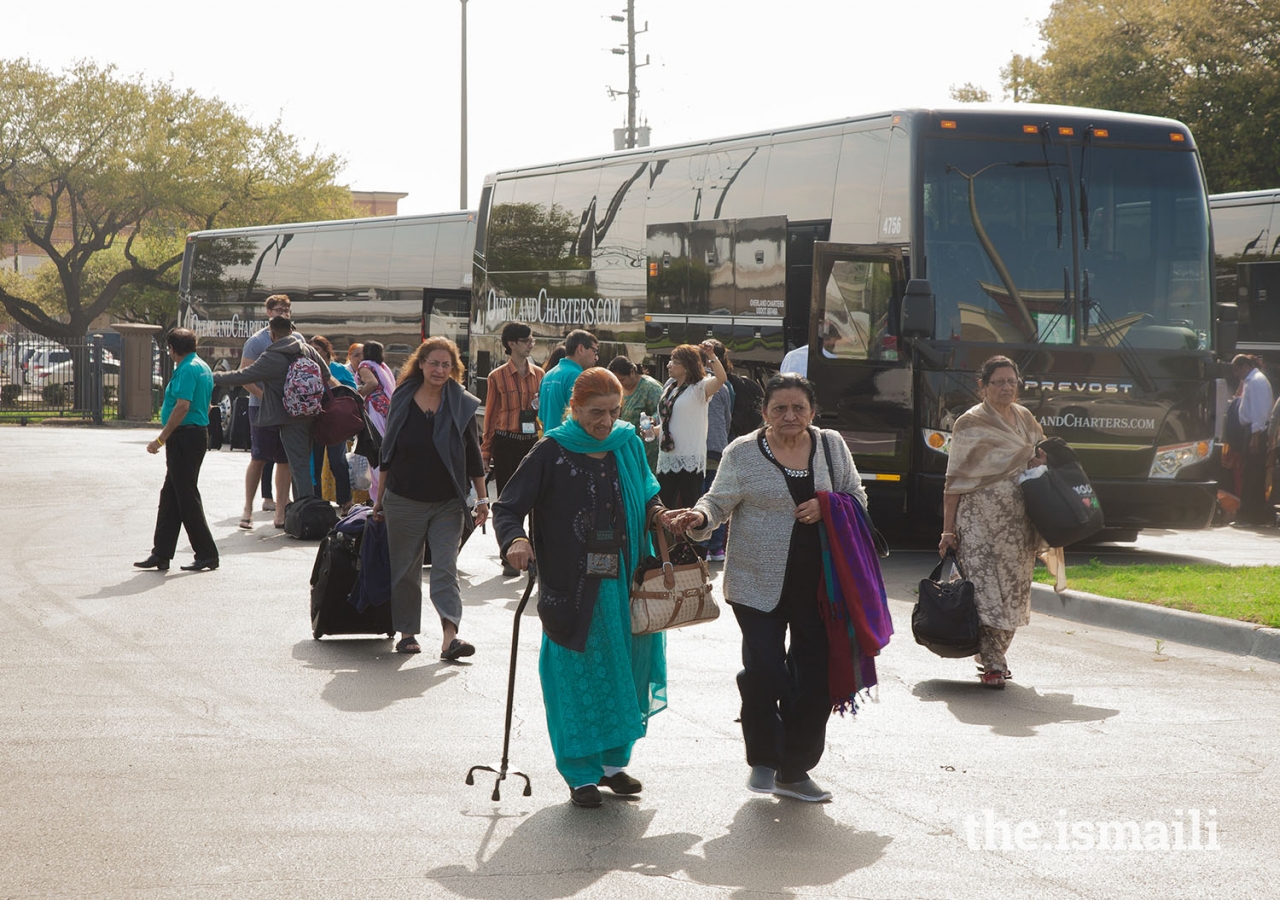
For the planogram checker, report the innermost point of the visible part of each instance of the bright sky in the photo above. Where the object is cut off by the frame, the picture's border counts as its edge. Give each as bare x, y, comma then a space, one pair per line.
377, 82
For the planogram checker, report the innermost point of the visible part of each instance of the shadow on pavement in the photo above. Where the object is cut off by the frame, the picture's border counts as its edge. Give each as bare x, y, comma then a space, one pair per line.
1016, 711
560, 851
368, 675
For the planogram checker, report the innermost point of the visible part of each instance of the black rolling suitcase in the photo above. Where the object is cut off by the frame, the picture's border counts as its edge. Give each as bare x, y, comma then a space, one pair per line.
239, 426
215, 428
332, 578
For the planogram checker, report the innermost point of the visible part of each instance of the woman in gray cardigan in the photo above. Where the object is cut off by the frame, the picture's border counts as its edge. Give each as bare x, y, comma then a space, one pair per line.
766, 484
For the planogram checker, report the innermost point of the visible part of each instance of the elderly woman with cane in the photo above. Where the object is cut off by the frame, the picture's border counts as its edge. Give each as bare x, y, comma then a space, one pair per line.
592, 497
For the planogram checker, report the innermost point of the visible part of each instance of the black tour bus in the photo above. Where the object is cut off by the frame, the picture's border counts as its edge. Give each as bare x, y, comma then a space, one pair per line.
904, 248
1246, 242
391, 279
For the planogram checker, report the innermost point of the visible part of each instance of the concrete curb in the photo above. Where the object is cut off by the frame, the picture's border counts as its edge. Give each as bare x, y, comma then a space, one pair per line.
1196, 629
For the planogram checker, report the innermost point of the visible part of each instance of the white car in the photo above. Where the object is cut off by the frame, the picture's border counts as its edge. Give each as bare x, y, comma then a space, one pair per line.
54, 366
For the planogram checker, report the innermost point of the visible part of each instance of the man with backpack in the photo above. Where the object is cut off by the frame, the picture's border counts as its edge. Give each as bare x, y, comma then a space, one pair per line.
293, 377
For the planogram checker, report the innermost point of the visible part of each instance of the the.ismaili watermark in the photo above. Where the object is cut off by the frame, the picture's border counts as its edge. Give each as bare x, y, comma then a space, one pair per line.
1187, 830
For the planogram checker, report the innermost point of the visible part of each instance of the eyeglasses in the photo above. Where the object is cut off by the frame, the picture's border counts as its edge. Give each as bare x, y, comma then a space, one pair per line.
1003, 382
437, 364
526, 341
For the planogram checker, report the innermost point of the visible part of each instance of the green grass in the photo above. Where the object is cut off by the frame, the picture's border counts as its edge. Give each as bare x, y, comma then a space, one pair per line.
1247, 593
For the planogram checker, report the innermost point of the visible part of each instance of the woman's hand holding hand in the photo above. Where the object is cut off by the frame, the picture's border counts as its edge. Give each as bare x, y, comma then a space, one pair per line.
519, 554
948, 544
678, 521
809, 512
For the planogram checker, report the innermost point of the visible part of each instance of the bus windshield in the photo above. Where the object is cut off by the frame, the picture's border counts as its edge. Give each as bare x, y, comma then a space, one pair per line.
1002, 220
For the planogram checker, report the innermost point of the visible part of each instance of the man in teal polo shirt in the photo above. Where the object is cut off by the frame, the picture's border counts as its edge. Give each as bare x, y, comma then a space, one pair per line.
581, 352
185, 439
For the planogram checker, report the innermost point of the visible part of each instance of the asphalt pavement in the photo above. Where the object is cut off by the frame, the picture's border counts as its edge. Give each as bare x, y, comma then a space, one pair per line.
182, 735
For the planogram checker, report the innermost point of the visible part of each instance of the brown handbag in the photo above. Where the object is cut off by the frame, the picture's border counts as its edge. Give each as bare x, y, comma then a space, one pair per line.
671, 596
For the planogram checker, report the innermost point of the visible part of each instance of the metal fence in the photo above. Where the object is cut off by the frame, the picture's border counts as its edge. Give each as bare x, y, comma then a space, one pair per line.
42, 379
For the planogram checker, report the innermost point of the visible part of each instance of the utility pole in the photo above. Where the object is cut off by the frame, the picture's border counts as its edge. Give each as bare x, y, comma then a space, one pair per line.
462, 189
630, 52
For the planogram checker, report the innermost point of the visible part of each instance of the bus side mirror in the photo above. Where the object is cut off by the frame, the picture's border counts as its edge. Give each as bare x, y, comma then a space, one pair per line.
918, 312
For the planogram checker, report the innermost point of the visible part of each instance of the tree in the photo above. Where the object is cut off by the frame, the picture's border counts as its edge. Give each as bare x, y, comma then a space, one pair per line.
970, 93
1210, 63
105, 175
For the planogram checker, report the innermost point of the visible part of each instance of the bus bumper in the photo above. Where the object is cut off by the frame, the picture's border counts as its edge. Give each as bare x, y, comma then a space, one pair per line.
1157, 504
1125, 504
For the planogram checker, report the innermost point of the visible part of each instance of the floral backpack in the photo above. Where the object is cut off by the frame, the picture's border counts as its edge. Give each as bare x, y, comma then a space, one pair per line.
303, 387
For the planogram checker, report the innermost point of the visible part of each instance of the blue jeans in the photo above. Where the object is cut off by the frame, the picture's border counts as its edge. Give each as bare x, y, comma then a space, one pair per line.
337, 465
715, 543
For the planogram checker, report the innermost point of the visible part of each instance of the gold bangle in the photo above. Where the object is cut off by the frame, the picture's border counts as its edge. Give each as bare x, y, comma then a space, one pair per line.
159, 442
948, 534
525, 539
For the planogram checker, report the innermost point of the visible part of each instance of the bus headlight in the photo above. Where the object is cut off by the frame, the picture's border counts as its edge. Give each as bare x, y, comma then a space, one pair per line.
939, 441
1170, 460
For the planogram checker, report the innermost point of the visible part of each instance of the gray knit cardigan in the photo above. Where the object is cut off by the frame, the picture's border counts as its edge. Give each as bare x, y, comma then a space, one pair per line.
752, 491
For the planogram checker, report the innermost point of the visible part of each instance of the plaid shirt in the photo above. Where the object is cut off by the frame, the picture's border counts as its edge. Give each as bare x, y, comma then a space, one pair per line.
509, 393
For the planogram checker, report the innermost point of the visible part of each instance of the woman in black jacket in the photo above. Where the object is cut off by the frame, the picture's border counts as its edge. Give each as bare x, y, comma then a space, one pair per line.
592, 494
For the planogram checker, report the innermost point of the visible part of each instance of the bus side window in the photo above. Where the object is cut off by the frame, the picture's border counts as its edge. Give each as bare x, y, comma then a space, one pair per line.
855, 310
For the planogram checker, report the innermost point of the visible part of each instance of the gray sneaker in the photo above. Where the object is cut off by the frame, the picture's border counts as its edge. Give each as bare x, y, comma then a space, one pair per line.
802, 790
761, 780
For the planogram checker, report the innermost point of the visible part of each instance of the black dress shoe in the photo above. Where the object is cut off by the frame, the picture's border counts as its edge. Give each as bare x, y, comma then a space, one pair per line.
158, 563
621, 783
200, 564
587, 796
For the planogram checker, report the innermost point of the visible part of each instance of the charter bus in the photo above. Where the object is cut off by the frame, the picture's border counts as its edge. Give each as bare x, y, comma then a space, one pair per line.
1246, 240
905, 248
392, 279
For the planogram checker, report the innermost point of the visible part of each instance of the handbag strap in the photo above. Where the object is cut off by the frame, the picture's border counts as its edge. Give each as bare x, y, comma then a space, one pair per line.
664, 553
877, 539
951, 557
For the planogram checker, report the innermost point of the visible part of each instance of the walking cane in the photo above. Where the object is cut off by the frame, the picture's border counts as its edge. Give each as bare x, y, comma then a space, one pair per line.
501, 771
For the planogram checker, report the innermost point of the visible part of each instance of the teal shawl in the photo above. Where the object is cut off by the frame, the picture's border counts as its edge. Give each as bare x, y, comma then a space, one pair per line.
638, 482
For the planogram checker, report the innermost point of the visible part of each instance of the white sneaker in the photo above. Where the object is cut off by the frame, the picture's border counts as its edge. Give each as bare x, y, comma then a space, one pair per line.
268, 505
807, 790
761, 780
715, 557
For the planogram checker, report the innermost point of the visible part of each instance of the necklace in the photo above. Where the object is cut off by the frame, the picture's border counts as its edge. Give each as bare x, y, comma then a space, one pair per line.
794, 473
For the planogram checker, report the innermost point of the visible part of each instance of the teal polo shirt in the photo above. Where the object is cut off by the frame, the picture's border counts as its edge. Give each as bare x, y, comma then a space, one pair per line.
191, 381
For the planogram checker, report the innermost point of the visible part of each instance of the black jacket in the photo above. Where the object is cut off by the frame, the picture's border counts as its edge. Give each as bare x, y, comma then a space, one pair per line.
565, 495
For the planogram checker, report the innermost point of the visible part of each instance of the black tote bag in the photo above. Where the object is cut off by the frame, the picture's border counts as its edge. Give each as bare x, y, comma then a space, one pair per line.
945, 618
1061, 503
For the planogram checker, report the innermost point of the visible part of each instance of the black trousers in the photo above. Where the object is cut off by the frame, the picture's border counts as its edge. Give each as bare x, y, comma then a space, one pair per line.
180, 503
680, 490
1254, 509
506, 453
785, 698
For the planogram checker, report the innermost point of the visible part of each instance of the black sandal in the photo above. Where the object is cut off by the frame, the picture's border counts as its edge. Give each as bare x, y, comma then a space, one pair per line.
408, 645
458, 648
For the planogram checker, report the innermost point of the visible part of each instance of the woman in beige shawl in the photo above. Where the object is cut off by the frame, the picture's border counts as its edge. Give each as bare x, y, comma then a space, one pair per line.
984, 518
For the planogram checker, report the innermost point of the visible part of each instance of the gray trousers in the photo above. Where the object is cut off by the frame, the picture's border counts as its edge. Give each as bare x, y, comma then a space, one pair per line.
410, 524
295, 437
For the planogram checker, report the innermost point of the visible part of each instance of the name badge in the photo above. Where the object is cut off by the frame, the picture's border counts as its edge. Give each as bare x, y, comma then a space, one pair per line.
528, 422
602, 565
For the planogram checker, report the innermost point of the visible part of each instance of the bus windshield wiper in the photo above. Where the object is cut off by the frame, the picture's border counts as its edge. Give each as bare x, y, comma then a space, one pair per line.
1108, 328
1055, 183
1084, 187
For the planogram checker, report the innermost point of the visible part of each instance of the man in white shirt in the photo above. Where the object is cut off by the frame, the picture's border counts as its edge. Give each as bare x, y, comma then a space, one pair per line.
1255, 412
797, 360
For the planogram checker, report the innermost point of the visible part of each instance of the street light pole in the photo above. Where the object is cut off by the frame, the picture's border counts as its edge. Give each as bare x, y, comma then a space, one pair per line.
462, 188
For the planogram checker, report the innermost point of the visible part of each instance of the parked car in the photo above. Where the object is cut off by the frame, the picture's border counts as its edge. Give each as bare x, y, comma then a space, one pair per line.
55, 366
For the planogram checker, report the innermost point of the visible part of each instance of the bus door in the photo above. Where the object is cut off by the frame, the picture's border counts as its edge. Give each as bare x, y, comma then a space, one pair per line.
801, 236
859, 369
447, 313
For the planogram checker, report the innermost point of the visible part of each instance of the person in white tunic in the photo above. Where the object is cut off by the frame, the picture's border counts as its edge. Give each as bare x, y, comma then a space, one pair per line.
682, 413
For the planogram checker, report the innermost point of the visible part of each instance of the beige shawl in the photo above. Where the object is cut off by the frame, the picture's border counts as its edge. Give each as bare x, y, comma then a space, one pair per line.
986, 449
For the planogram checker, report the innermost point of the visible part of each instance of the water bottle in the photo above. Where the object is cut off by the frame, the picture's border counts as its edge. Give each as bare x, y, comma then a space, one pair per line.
646, 426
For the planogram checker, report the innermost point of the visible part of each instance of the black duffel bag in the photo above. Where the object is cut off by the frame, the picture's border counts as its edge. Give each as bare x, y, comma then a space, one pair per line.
1061, 502
310, 518
945, 618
